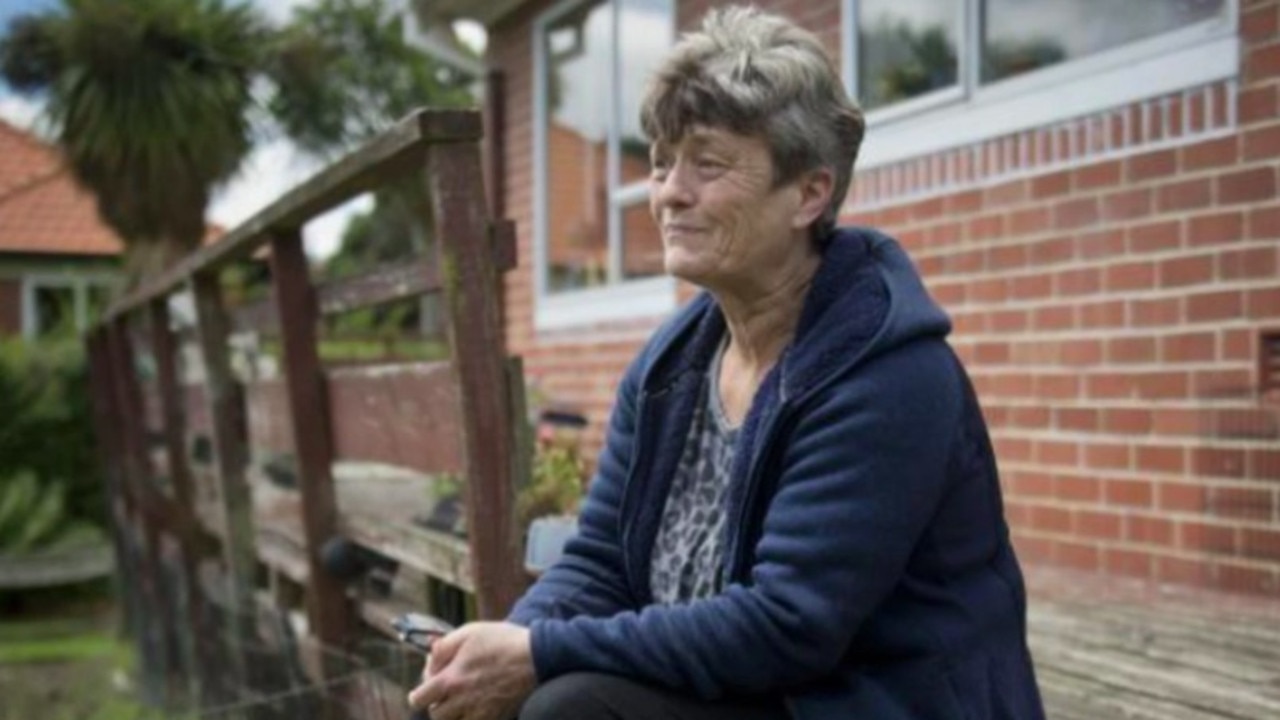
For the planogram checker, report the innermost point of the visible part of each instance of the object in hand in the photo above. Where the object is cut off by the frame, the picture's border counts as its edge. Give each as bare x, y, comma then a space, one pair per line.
420, 631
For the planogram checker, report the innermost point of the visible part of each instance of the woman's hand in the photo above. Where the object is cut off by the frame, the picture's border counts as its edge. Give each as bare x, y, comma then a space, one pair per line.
481, 671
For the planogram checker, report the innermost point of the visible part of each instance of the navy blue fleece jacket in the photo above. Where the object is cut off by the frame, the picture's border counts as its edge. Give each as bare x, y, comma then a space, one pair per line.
868, 568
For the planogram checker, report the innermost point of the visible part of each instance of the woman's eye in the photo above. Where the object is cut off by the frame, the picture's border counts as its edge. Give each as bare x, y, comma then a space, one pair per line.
708, 164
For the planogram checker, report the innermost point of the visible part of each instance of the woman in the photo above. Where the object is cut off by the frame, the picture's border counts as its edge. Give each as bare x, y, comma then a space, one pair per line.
797, 512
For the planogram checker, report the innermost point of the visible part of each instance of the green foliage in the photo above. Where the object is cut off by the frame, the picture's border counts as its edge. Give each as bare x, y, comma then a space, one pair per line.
30, 58
45, 426
42, 642
150, 100
555, 485
68, 671
33, 516
923, 61
345, 73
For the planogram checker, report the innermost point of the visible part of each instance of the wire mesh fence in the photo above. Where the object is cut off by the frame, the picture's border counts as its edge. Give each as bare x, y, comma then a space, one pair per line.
200, 657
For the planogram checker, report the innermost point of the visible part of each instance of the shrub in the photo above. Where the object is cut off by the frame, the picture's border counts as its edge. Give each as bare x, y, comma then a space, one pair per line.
46, 429
555, 483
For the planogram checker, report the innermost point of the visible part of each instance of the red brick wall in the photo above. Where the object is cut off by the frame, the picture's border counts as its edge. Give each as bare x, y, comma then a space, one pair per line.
1108, 311
10, 306
1109, 314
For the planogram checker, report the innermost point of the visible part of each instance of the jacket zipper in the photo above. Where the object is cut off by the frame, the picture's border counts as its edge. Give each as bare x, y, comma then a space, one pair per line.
629, 491
754, 470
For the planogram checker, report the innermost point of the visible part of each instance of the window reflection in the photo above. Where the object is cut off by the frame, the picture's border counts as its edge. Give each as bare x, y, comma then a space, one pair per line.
1024, 35
593, 130
55, 310
577, 152
645, 32
641, 243
906, 48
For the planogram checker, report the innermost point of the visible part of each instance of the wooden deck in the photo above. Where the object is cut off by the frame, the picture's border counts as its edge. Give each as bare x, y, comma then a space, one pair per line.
1114, 650
1105, 649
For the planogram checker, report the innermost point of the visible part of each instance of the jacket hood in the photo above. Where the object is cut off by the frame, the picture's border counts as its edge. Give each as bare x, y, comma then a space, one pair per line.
866, 298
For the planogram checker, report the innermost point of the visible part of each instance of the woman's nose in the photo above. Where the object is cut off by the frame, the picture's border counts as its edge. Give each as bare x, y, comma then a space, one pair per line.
673, 188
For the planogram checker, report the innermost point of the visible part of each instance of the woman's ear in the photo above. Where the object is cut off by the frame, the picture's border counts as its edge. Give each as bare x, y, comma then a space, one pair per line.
816, 187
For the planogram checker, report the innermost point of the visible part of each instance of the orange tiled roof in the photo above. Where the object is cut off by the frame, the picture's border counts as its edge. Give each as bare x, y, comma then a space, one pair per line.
42, 209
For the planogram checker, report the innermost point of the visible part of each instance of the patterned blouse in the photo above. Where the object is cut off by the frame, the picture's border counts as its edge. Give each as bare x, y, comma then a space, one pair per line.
689, 549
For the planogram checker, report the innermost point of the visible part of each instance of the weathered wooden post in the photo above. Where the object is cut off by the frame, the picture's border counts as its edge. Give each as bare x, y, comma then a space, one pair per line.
231, 458
476, 345
164, 349
329, 614
137, 477
97, 352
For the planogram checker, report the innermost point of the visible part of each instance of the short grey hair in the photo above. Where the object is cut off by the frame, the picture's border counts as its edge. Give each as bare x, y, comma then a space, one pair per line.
759, 74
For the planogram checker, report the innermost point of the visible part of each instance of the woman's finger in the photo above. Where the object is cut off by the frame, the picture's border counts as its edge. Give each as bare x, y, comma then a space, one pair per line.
430, 692
444, 648
449, 709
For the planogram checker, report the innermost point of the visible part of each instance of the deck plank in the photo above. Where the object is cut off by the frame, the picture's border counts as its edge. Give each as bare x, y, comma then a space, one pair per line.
1117, 651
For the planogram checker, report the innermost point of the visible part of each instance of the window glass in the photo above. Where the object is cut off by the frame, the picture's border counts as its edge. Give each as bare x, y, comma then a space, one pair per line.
641, 243
1024, 35
645, 34
55, 310
99, 298
577, 82
906, 48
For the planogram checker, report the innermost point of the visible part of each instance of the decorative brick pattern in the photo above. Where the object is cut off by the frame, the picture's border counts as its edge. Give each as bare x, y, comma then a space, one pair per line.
1086, 142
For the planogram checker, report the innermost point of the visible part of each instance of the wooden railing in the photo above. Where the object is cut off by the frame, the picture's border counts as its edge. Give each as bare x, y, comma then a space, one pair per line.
210, 505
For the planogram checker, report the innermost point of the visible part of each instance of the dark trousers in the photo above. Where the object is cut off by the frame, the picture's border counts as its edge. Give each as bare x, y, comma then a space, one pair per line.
594, 696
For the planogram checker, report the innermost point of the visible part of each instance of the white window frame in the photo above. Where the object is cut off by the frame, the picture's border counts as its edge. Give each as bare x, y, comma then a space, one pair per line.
618, 300
78, 282
1195, 55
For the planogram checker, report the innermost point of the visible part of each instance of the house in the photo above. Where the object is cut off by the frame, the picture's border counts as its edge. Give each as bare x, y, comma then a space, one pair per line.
1093, 198
58, 261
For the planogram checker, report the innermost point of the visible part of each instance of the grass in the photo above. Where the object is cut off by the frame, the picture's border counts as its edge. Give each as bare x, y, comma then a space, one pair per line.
57, 640
364, 350
57, 649
65, 669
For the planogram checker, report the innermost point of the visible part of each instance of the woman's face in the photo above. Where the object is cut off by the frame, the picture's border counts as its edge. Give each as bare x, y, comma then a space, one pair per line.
724, 223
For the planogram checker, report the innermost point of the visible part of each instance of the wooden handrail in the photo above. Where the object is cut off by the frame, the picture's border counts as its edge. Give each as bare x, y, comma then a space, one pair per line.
465, 266
394, 153
383, 284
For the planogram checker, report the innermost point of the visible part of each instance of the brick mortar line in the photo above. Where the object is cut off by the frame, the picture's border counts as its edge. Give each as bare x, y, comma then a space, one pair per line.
1213, 523
1137, 442
1216, 523
1034, 402
1141, 513
1149, 294
1083, 438
1105, 367
1174, 551
1015, 338
1073, 333
1029, 240
1059, 535
1102, 226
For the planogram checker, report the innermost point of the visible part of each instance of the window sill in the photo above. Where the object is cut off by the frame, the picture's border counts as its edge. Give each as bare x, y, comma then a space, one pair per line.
638, 299
996, 115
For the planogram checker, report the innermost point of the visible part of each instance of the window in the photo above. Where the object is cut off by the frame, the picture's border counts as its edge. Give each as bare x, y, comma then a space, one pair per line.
1000, 66
57, 305
598, 254
55, 310
908, 51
